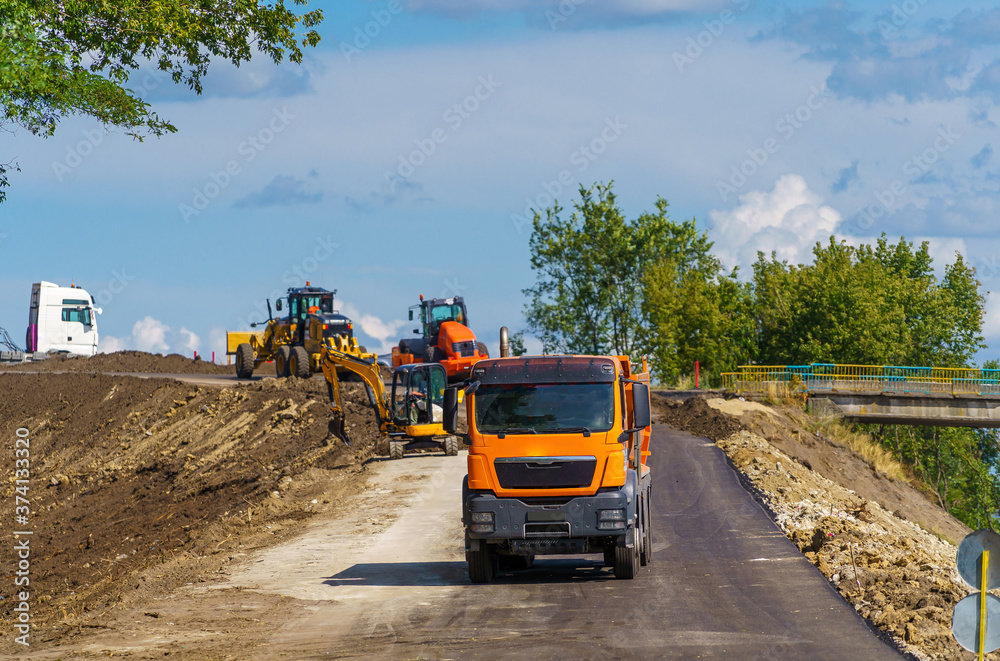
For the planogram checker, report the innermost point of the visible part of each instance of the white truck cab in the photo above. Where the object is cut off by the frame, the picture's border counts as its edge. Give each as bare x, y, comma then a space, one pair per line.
61, 320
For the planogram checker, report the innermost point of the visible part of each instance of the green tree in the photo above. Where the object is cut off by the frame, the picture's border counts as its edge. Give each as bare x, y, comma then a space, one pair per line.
590, 266
516, 344
877, 305
60, 58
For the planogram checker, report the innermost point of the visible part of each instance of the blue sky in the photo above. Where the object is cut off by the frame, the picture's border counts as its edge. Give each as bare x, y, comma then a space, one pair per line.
401, 157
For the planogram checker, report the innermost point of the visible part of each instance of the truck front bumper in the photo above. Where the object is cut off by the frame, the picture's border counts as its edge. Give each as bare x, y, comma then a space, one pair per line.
537, 526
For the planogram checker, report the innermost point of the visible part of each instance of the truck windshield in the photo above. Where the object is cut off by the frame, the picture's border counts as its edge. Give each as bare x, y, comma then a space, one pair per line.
545, 408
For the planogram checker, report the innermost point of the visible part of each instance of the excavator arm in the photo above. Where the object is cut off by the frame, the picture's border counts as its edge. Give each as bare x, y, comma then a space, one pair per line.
369, 371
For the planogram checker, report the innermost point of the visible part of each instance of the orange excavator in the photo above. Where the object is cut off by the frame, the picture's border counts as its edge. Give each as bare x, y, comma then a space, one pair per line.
445, 338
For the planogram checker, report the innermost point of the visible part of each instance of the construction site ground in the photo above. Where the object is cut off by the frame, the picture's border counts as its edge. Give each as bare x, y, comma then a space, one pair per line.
160, 508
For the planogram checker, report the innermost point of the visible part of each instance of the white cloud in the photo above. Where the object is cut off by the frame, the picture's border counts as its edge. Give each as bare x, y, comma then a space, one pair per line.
385, 332
788, 220
148, 334
109, 344
191, 340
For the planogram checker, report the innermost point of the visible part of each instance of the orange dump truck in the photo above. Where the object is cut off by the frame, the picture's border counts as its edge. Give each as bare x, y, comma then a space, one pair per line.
557, 462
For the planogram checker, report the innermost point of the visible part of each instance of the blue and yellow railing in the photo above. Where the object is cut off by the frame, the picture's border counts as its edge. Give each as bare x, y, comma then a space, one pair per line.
865, 378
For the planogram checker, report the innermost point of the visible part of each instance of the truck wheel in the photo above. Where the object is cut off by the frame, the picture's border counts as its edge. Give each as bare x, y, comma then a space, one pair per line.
244, 361
434, 355
396, 449
451, 446
281, 357
627, 561
298, 363
481, 348
483, 564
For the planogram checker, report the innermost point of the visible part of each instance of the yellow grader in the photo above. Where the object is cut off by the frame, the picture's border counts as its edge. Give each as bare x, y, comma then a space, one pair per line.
295, 342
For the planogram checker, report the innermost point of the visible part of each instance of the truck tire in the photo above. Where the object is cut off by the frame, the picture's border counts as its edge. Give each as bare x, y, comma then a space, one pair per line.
627, 561
244, 361
281, 357
298, 363
396, 449
434, 355
483, 564
481, 348
451, 446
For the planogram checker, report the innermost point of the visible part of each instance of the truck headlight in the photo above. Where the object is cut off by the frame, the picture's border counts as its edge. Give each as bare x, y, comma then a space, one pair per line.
481, 522
610, 519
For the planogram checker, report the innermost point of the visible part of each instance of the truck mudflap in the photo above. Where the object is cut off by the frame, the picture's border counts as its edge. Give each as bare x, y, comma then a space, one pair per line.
539, 526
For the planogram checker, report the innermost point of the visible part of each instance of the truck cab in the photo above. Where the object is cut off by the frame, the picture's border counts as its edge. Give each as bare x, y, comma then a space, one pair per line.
557, 462
61, 320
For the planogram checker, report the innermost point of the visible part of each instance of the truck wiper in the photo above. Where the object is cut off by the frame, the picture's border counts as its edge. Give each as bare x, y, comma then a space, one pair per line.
571, 430
516, 430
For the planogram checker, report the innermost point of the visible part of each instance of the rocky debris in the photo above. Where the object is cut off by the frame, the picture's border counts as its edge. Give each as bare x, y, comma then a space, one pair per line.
898, 576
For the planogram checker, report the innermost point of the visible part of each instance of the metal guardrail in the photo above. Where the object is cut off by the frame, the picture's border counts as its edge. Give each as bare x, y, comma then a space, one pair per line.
865, 378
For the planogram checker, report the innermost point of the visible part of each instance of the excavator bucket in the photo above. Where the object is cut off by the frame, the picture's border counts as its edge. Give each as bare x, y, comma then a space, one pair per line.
337, 427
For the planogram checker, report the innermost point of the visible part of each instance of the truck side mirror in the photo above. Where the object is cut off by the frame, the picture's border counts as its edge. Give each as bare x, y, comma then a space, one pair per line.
277, 305
451, 409
640, 404
411, 315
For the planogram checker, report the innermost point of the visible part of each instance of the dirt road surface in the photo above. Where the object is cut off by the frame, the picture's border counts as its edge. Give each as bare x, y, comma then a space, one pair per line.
387, 580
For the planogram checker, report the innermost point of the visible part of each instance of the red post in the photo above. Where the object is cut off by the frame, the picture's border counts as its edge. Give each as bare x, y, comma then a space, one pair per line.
196, 355
213, 357
696, 375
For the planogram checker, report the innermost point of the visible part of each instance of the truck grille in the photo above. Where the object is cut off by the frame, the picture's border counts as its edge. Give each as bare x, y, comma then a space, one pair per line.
545, 472
464, 349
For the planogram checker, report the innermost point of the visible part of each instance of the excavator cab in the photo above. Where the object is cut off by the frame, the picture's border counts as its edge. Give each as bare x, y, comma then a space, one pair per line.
418, 395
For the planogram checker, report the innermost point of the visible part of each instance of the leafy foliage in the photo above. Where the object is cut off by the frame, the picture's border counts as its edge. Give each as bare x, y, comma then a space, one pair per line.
73, 57
590, 267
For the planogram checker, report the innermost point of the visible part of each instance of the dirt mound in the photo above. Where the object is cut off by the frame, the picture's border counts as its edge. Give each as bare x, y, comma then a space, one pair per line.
125, 361
787, 428
694, 415
140, 485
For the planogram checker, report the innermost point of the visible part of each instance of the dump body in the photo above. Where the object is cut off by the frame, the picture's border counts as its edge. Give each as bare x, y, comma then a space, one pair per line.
558, 449
61, 319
